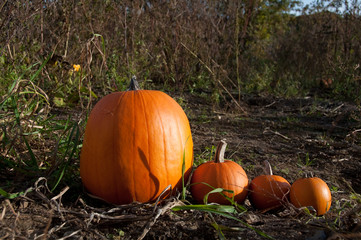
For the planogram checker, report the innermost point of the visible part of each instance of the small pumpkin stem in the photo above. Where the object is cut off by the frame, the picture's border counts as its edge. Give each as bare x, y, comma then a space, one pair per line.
267, 168
308, 174
134, 85
221, 148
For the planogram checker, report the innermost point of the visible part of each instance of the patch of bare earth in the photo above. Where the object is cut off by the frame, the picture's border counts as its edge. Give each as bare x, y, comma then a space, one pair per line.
297, 136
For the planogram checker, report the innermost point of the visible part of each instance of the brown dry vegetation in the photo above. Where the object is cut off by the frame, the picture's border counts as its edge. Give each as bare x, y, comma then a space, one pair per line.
276, 86
251, 46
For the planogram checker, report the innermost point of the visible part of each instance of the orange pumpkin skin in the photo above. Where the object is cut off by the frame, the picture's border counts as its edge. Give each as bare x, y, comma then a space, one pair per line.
311, 192
269, 192
133, 146
227, 175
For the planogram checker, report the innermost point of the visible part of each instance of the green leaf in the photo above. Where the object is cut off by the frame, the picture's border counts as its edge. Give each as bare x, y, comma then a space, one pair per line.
184, 169
33, 162
218, 190
12, 195
59, 101
4, 193
219, 229
36, 74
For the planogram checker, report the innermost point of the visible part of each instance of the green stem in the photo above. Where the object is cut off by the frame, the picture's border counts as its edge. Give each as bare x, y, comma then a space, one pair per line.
221, 148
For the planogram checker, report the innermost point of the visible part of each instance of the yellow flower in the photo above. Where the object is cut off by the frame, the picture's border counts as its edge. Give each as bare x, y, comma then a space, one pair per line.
76, 67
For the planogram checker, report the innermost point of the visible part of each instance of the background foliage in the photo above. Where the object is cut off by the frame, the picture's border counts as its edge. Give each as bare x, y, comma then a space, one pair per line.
272, 46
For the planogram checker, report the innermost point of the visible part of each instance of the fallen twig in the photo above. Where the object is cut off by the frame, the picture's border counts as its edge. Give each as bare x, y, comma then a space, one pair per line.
337, 108
159, 212
70, 235
47, 227
120, 218
267, 130
353, 133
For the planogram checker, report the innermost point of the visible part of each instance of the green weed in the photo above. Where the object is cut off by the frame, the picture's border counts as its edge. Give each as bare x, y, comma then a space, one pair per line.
205, 156
307, 161
35, 142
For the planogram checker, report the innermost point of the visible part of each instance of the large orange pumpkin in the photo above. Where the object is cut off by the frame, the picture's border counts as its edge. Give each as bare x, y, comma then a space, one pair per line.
219, 173
269, 191
134, 146
311, 192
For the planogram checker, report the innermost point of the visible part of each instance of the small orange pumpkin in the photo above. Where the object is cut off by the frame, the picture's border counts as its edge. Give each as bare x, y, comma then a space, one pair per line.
311, 192
134, 145
219, 173
269, 191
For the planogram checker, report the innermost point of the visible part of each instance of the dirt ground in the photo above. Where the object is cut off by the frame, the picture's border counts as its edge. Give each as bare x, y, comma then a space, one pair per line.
297, 136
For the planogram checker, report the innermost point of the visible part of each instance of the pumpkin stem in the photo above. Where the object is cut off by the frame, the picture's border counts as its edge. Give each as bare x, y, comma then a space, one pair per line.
134, 85
267, 168
309, 174
221, 148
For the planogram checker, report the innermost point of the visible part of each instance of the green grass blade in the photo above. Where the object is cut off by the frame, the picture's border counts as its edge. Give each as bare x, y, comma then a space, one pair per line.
218, 190
219, 229
16, 111
13, 85
74, 131
9, 94
12, 195
4, 193
33, 162
59, 179
184, 169
36, 74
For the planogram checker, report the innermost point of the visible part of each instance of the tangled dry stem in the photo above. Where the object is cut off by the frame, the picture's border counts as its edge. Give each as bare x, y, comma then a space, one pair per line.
72, 222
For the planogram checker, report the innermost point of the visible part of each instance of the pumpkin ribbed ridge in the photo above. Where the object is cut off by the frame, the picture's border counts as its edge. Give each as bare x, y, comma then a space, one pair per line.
133, 146
219, 174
